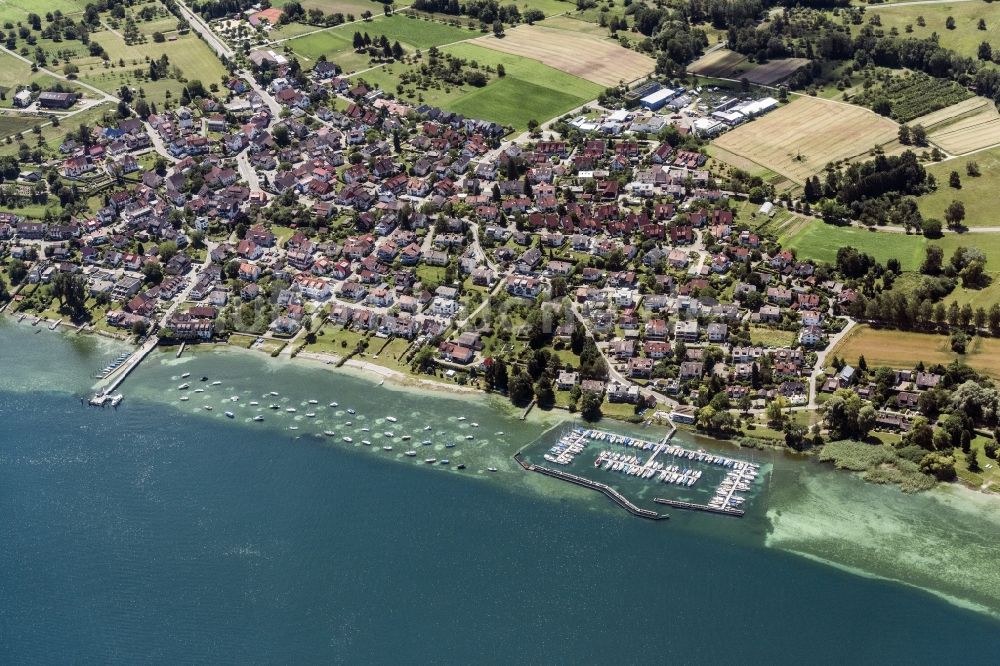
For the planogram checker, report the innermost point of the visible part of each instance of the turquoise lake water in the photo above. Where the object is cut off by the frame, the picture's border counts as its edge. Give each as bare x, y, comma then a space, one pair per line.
163, 532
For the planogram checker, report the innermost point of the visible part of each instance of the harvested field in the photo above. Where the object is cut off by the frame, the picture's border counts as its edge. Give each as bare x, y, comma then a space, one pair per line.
722, 63
903, 349
774, 71
594, 59
799, 139
942, 117
971, 132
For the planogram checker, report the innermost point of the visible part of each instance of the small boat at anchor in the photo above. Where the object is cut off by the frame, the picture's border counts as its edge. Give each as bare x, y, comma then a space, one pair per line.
390, 419
230, 415
348, 439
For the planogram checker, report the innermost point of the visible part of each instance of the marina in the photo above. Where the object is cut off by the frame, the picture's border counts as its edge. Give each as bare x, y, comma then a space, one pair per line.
659, 462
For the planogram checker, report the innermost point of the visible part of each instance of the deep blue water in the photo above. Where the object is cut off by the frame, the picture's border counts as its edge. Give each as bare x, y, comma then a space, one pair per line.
146, 536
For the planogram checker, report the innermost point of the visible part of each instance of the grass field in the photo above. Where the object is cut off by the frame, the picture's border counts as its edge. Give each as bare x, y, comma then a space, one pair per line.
188, 53
771, 337
12, 124
592, 58
575, 24
18, 10
966, 36
980, 194
411, 33
530, 90
902, 349
801, 138
820, 242
345, 7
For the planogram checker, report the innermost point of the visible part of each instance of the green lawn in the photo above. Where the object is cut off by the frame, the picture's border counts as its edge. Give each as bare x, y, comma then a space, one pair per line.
980, 194
984, 476
331, 339
966, 36
771, 337
820, 242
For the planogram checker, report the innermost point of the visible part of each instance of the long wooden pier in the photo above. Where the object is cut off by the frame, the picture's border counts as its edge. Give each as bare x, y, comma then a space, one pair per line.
607, 490
678, 504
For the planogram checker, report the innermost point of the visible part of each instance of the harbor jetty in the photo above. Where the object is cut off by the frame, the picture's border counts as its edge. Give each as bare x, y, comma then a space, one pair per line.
119, 373
724, 510
607, 490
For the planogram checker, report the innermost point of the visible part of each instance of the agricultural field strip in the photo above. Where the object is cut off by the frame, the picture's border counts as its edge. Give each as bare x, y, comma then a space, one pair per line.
591, 58
774, 71
943, 117
799, 139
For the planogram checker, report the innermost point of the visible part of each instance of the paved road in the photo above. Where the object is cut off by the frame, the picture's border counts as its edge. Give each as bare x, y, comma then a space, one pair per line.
247, 172
157, 141
821, 361
613, 374
186, 292
202, 28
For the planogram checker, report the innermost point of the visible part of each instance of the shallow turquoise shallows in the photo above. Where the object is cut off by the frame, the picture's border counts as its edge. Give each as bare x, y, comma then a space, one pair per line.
164, 532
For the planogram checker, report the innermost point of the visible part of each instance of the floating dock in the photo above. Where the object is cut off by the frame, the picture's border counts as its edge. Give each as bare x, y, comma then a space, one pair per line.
678, 504
607, 490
